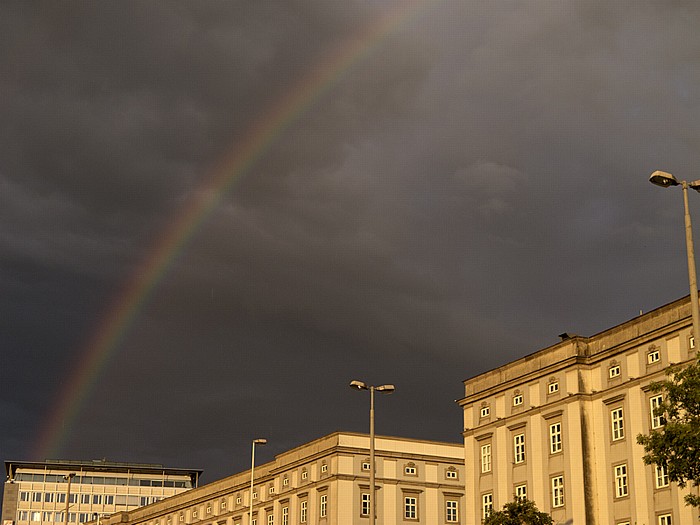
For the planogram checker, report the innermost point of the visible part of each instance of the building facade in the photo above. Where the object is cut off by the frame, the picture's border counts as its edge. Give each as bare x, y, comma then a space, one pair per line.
326, 482
559, 426
36, 493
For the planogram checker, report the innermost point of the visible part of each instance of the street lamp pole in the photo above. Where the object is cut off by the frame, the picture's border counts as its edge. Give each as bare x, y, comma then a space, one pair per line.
68, 477
387, 389
663, 179
259, 441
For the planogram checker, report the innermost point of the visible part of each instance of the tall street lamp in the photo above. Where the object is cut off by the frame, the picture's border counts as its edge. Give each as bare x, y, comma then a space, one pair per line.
259, 441
663, 179
387, 389
68, 477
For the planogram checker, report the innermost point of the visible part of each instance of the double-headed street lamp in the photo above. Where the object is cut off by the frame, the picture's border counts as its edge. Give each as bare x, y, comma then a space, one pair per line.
663, 179
259, 441
386, 389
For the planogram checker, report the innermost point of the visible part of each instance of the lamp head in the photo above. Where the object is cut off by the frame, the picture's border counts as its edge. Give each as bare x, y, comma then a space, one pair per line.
387, 389
663, 179
359, 385
260, 441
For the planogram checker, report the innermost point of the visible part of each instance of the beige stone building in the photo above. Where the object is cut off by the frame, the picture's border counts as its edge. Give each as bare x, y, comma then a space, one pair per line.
326, 482
35, 493
559, 426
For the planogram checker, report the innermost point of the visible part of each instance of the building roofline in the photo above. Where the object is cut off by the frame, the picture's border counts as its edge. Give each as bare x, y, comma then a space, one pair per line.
101, 465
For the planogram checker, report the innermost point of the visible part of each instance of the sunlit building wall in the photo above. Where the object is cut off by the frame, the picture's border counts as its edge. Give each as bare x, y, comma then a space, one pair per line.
559, 426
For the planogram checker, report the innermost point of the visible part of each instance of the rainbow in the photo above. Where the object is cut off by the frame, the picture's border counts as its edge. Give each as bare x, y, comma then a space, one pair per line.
262, 134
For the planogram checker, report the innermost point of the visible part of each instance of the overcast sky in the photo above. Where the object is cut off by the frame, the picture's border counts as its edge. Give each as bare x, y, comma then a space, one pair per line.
465, 185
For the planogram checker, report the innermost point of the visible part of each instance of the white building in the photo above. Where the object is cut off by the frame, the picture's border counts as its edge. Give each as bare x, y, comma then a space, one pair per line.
559, 426
326, 482
36, 493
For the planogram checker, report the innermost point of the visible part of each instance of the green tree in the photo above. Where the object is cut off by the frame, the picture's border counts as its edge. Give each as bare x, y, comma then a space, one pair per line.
675, 446
519, 512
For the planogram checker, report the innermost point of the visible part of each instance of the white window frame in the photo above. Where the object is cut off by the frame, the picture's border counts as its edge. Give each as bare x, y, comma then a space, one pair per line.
270, 519
410, 470
486, 505
521, 492
366, 465
285, 515
485, 411
617, 424
518, 400
364, 504
553, 387
555, 438
303, 511
557, 491
614, 371
451, 473
323, 506
661, 479
410, 507
452, 511
486, 458
653, 356
665, 519
621, 481
654, 403
519, 448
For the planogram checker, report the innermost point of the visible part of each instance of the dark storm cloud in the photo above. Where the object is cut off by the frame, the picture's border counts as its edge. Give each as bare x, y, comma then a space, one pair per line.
472, 187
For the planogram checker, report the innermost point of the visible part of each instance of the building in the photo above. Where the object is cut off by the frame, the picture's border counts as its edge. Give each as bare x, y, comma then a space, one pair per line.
36, 492
326, 482
559, 426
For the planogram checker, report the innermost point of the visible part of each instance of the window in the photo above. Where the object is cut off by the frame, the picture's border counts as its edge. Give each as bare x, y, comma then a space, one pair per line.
109, 499
96, 499
238, 500
485, 411
59, 517
366, 465
486, 458
304, 474
323, 506
621, 481
302, 511
653, 357
285, 481
558, 491
410, 469
48, 516
364, 504
521, 492
451, 511
517, 400
255, 494
194, 512
451, 473
410, 508
324, 468
36, 497
614, 371
223, 504
519, 448
271, 489
486, 505
24, 496
285, 515
270, 519
691, 342
553, 387
555, 438
661, 476
61, 497
665, 519
617, 423
83, 517
209, 509
657, 421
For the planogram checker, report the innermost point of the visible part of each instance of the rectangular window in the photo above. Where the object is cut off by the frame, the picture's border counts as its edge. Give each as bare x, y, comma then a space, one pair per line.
614, 371
83, 517
59, 517
653, 357
521, 492
555, 438
47, 516
410, 507
665, 519
657, 421
486, 458
617, 424
323, 507
451, 474
621, 481
35, 515
553, 387
558, 491
486, 505
270, 519
24, 496
364, 505
109, 499
36, 497
485, 411
519, 448
366, 465
271, 490
96, 499
661, 476
409, 470
61, 497
517, 400
285, 515
451, 511
285, 481
302, 511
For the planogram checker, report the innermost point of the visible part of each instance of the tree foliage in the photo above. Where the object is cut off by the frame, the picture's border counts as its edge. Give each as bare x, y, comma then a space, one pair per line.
675, 445
519, 512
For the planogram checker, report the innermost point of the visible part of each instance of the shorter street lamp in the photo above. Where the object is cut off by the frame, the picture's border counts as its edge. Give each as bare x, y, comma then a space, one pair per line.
663, 179
259, 441
386, 389
68, 477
